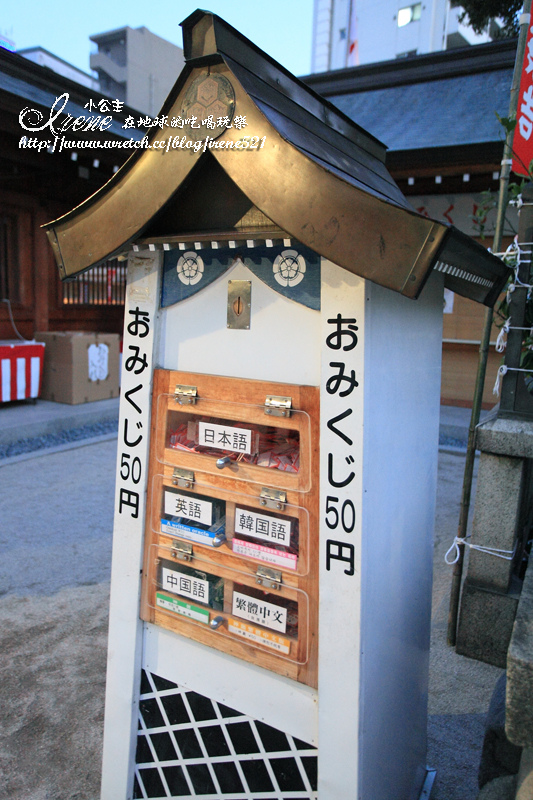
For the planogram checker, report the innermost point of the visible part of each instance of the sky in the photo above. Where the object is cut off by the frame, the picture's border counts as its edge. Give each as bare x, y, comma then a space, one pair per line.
282, 28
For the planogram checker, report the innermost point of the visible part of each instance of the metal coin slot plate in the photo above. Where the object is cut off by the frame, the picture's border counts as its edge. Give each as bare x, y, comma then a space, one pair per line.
273, 498
276, 406
270, 578
239, 304
185, 395
181, 550
183, 478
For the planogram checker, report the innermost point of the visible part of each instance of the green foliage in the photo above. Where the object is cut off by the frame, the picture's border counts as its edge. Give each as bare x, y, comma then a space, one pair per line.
489, 201
507, 123
479, 13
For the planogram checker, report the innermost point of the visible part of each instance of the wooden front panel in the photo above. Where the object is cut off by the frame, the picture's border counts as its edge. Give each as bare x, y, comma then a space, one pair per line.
219, 581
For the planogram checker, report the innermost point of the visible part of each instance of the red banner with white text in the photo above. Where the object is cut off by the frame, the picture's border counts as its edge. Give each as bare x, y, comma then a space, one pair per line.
523, 133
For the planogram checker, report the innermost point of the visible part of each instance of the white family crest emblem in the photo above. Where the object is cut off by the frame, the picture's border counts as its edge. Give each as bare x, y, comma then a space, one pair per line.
289, 268
190, 268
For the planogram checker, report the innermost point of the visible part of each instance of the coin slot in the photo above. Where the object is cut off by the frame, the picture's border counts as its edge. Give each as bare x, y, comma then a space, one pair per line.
239, 304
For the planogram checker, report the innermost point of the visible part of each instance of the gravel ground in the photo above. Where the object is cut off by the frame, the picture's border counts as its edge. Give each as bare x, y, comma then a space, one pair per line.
55, 439
57, 513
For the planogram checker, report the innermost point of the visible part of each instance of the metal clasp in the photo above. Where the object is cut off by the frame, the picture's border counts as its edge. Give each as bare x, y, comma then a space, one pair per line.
181, 550
277, 406
185, 395
273, 498
216, 622
183, 478
223, 462
270, 578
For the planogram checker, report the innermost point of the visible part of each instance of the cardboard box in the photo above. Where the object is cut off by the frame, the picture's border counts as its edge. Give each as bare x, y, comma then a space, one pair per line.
80, 366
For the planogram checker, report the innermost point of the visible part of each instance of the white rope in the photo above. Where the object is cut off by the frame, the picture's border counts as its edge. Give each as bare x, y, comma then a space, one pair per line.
521, 284
514, 246
500, 341
507, 555
503, 370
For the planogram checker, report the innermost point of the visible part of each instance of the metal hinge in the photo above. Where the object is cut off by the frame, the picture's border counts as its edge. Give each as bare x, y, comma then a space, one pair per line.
278, 406
181, 550
183, 478
185, 395
270, 578
273, 498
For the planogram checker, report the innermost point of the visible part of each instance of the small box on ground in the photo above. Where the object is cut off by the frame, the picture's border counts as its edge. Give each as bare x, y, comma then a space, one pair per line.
21, 369
80, 366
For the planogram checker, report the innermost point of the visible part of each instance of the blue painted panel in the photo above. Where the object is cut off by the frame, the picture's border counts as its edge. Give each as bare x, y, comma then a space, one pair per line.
293, 271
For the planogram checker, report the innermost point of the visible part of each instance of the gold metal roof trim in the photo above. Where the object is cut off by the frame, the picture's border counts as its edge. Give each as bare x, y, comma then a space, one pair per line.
318, 176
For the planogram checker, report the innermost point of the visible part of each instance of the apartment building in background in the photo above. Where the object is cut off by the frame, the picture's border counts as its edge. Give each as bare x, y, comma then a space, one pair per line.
347, 33
136, 66
39, 55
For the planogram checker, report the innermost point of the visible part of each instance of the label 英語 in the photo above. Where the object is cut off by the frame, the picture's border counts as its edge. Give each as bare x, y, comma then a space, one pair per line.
189, 507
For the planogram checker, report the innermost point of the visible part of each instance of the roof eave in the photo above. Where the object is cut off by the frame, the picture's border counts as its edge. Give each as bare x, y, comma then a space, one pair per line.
368, 235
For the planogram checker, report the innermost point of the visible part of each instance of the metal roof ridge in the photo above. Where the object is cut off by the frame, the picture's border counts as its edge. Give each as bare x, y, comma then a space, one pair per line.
420, 68
284, 74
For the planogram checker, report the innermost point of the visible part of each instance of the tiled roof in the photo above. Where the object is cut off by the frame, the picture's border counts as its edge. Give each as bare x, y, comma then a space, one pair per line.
438, 113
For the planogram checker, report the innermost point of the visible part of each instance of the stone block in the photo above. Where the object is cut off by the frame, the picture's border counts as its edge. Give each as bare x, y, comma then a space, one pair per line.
499, 756
485, 624
499, 789
496, 516
519, 696
508, 437
524, 779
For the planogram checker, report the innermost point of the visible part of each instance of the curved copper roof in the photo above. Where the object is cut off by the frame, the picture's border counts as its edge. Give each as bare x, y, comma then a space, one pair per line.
318, 176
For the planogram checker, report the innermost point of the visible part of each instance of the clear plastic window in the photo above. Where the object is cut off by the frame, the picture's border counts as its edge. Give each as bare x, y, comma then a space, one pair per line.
232, 523
250, 443
227, 604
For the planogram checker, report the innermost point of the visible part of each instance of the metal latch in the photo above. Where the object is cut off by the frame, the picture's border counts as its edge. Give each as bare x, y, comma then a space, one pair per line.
183, 478
181, 550
278, 406
185, 395
270, 578
273, 498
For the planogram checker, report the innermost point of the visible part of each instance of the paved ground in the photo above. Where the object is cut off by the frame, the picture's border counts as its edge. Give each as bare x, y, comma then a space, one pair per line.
26, 419
460, 688
56, 510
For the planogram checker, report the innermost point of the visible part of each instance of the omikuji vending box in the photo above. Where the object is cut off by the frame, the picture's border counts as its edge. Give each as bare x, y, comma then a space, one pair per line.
271, 576
232, 496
